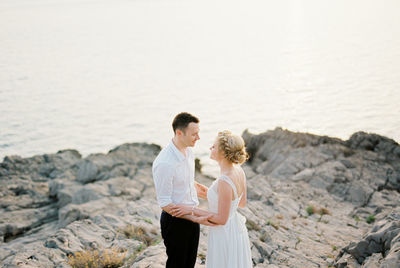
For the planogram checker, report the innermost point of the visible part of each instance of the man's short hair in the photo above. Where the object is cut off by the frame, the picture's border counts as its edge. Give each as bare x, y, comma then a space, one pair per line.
182, 120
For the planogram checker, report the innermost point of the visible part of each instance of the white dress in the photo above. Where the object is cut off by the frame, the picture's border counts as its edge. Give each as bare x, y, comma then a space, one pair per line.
228, 245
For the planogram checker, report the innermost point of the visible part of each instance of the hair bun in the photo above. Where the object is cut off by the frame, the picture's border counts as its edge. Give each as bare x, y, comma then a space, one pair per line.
233, 147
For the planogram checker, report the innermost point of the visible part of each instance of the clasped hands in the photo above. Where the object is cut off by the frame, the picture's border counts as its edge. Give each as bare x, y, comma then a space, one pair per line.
182, 210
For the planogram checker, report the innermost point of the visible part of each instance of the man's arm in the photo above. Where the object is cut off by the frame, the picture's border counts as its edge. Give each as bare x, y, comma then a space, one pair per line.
163, 176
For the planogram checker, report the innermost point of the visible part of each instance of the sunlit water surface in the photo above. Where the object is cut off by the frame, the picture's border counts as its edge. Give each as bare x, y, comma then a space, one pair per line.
91, 75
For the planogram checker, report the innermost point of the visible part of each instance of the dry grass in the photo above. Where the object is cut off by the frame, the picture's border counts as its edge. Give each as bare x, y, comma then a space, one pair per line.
323, 211
317, 210
142, 234
139, 233
108, 258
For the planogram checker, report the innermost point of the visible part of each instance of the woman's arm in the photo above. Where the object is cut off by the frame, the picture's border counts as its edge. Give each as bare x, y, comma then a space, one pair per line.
181, 210
224, 203
243, 201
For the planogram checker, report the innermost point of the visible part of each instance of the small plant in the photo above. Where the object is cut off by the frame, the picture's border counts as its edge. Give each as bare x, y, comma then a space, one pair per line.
297, 242
202, 257
370, 219
264, 237
310, 210
142, 234
108, 258
314, 210
330, 256
276, 226
251, 225
147, 220
334, 248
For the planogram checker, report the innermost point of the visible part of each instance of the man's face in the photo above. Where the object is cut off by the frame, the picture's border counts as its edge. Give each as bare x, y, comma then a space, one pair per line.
191, 134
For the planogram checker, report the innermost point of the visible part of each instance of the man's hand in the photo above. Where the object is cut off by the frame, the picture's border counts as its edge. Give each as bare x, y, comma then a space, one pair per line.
180, 210
201, 190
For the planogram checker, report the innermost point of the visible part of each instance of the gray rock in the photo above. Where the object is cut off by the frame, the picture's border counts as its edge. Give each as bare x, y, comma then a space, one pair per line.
87, 171
378, 240
308, 196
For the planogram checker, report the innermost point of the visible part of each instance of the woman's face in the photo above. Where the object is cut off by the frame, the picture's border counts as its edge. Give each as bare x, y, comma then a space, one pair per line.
215, 154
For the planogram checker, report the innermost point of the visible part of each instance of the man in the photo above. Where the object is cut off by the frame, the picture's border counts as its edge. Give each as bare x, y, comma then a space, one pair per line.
173, 174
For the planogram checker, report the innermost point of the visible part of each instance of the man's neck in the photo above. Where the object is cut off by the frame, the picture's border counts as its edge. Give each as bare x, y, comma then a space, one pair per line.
181, 147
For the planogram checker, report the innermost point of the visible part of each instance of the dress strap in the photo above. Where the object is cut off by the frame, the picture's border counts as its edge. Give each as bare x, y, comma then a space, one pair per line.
229, 181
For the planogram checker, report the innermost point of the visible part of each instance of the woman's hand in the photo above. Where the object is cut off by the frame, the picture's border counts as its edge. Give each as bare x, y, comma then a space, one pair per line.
181, 210
201, 190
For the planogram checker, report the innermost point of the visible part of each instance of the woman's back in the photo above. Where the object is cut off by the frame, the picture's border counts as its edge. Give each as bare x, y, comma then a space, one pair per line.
228, 245
238, 178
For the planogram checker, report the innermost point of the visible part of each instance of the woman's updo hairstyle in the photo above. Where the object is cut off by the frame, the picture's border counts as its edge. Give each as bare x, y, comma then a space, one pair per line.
232, 146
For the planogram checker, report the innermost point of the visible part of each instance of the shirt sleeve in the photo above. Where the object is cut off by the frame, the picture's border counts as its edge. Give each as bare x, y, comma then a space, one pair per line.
163, 177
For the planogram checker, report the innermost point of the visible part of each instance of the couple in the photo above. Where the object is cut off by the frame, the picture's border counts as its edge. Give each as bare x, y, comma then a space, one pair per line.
178, 192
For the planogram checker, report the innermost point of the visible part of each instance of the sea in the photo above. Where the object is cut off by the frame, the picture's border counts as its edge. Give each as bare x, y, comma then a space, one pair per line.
93, 74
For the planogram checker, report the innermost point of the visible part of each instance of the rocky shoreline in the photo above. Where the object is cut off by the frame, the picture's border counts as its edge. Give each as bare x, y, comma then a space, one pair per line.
313, 201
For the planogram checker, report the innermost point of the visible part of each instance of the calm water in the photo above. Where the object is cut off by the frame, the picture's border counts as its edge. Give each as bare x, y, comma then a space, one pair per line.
91, 75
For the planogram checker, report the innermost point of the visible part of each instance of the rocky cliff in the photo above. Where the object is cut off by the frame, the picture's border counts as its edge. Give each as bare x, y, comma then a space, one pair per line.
313, 201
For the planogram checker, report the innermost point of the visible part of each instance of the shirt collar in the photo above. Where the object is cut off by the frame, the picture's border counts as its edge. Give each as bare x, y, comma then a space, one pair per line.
178, 153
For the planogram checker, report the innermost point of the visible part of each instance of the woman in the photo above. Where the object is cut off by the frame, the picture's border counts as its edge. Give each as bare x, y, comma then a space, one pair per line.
228, 240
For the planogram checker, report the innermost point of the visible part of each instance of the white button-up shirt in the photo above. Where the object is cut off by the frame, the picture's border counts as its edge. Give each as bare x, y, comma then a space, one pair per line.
173, 175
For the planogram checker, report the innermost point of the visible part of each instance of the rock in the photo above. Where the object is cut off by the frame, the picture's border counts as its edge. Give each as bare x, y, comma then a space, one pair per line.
359, 174
154, 256
373, 261
308, 196
384, 238
87, 171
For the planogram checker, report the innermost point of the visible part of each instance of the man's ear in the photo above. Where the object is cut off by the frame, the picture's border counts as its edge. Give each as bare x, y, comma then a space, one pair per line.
179, 132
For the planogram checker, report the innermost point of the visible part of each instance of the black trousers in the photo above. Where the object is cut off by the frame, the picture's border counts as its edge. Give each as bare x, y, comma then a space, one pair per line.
181, 238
